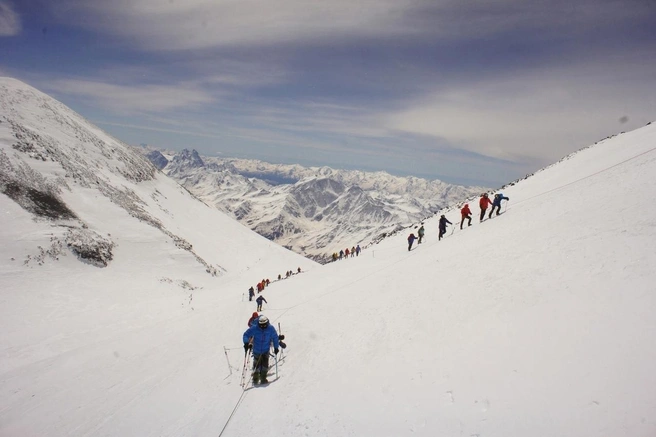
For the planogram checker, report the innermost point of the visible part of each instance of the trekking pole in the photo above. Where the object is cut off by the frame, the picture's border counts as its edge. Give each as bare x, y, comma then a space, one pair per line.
505, 205
243, 372
281, 349
275, 357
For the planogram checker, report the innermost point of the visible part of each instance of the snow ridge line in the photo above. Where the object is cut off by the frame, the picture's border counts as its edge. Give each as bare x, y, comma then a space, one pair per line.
588, 176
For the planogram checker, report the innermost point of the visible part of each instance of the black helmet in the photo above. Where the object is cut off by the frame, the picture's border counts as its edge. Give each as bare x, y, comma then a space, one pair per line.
263, 322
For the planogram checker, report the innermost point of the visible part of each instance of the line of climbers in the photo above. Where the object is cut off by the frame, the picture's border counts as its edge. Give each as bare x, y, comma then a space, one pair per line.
354, 251
265, 283
260, 335
465, 214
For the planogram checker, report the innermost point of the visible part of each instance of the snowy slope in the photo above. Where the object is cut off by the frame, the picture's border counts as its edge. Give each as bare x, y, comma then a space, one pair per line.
65, 322
46, 147
538, 322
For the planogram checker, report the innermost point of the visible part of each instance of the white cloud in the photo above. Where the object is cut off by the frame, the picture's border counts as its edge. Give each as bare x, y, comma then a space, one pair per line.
135, 98
10, 23
536, 116
199, 24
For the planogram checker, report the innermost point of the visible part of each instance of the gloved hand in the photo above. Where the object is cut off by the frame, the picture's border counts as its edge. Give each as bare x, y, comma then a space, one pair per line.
275, 351
247, 346
283, 345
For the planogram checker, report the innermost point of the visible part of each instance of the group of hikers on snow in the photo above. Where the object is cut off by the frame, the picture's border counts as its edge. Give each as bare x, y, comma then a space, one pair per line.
412, 238
465, 214
260, 335
260, 298
260, 288
485, 201
354, 251
265, 283
288, 273
258, 338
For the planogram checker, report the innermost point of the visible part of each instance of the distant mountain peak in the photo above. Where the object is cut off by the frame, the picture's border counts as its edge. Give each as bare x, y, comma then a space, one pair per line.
189, 158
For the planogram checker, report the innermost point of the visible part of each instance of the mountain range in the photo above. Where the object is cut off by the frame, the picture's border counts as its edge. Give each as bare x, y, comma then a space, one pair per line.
314, 211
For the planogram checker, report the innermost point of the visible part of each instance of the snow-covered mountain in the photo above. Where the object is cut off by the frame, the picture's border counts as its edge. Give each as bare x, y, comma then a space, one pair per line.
537, 322
314, 211
66, 173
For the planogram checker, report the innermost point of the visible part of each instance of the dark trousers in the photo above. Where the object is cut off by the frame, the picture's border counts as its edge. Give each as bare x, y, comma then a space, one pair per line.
442, 232
410, 244
261, 365
420, 237
497, 207
466, 217
483, 213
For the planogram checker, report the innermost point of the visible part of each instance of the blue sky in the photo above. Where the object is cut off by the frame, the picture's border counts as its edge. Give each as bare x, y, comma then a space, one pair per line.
466, 92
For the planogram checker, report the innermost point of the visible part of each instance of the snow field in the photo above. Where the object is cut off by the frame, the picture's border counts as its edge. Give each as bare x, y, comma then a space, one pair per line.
538, 322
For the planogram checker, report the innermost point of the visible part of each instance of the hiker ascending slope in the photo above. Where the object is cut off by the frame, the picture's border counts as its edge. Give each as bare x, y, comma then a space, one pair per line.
483, 203
466, 213
251, 293
443, 223
420, 233
411, 239
253, 318
259, 300
496, 204
259, 338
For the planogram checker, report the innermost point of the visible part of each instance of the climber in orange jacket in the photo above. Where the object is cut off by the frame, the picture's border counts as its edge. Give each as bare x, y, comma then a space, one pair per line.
466, 213
484, 202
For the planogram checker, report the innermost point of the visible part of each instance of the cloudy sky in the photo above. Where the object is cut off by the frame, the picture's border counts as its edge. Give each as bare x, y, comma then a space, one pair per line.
472, 92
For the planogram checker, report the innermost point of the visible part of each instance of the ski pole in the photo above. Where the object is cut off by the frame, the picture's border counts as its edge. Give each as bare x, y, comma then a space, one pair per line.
275, 357
281, 349
243, 372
